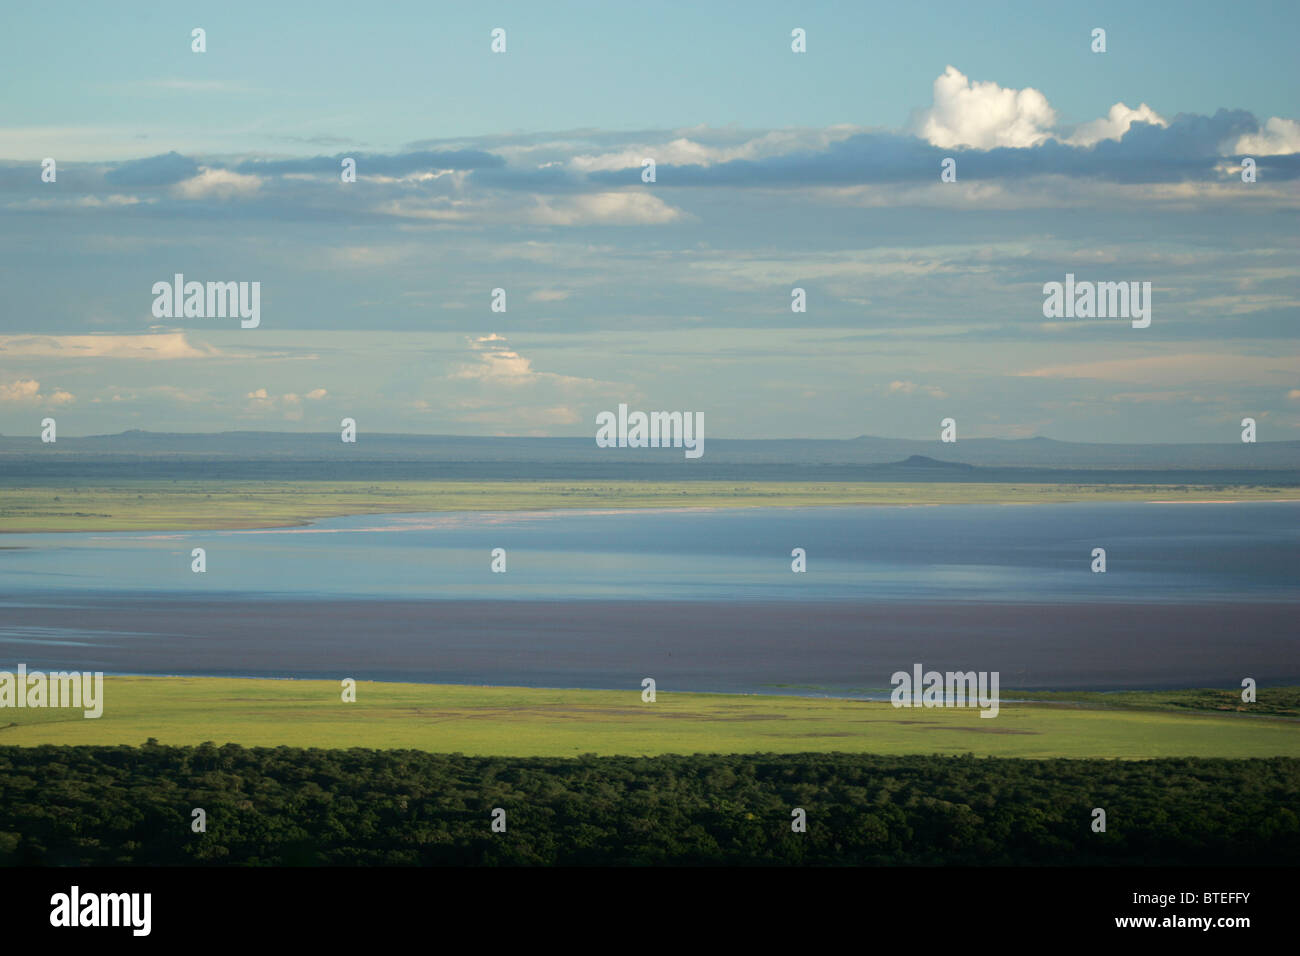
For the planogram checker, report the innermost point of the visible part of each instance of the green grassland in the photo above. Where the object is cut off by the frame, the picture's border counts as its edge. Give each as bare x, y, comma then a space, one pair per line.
521, 722
1275, 701
156, 505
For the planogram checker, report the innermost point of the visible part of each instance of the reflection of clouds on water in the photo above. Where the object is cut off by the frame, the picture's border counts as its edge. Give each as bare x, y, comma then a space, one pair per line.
1033, 554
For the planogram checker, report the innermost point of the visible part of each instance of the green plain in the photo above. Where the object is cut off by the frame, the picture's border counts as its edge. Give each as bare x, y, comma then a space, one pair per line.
158, 505
514, 721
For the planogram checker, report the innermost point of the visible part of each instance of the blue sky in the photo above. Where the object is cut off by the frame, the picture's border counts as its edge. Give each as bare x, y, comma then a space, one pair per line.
774, 170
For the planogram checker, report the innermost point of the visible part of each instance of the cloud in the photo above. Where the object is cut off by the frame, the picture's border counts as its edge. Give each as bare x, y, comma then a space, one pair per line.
114, 201
22, 390
984, 115
1277, 137
164, 170
624, 208
217, 183
498, 364
1188, 149
694, 151
592, 178
369, 164
548, 295
179, 395
440, 210
260, 402
1114, 125
167, 345
28, 392
866, 157
1175, 370
912, 388
290, 405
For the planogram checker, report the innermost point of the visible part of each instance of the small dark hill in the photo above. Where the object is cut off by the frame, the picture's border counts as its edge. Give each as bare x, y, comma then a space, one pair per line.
925, 461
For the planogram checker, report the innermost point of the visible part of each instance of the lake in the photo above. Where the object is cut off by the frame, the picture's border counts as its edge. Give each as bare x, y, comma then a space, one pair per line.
1193, 594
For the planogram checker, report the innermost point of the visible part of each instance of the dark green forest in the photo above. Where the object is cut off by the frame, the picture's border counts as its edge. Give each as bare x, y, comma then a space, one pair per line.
290, 806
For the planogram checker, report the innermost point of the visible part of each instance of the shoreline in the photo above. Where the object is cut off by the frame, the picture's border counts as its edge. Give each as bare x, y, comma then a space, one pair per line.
153, 505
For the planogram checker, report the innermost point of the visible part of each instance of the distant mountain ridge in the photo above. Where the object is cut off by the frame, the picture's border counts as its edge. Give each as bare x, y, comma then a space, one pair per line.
800, 452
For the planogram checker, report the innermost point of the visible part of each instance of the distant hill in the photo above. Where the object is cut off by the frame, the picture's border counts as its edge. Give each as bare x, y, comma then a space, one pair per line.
295, 456
864, 450
924, 461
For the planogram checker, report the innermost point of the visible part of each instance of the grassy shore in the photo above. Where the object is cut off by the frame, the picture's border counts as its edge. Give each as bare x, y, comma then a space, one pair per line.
152, 505
514, 721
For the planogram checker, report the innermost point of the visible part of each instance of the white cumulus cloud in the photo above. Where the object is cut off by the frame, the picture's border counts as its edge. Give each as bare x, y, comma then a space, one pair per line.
1277, 138
984, 115
1114, 125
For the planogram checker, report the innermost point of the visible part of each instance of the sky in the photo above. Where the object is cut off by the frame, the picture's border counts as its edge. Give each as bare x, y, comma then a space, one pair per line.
522, 170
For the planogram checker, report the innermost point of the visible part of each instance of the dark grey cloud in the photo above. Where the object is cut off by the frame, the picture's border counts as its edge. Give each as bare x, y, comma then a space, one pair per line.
73, 179
164, 170
397, 164
553, 179
1187, 149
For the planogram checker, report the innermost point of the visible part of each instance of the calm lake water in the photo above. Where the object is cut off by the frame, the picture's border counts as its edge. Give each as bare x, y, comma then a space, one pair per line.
590, 598
1234, 552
